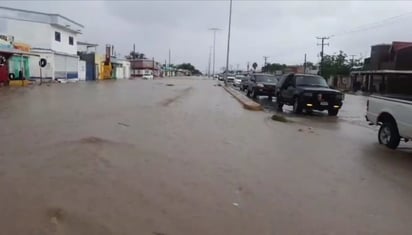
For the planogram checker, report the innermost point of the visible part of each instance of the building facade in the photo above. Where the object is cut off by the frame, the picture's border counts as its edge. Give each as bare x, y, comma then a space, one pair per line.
140, 67
388, 70
52, 36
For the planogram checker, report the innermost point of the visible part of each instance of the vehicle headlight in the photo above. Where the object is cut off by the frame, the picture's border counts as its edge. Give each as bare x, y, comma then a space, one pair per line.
260, 85
308, 94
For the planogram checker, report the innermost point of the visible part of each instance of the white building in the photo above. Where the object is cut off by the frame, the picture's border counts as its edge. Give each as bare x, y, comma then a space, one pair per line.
52, 36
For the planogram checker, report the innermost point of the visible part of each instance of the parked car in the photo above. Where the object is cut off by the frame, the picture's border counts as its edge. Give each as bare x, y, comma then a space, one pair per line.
238, 80
220, 77
309, 92
147, 76
394, 115
261, 84
244, 83
230, 78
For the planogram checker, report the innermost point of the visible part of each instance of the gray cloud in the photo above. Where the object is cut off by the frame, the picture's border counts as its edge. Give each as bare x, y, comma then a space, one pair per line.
283, 30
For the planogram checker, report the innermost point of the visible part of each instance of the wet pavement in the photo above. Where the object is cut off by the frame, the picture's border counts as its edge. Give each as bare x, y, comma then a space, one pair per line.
145, 157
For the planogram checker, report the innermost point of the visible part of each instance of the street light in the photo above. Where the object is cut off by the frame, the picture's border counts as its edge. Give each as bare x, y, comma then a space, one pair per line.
214, 48
228, 42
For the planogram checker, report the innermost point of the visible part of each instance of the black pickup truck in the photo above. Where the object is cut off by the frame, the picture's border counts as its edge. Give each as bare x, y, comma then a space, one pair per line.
309, 92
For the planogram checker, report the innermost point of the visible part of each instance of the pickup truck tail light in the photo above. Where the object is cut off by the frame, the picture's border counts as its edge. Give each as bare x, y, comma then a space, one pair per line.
367, 105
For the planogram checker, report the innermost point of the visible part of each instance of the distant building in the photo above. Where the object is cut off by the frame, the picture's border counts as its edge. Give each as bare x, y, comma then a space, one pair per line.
121, 68
52, 36
88, 66
300, 69
139, 67
388, 70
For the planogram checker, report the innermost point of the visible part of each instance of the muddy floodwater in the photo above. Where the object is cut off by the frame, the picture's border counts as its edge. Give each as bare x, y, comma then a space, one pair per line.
181, 156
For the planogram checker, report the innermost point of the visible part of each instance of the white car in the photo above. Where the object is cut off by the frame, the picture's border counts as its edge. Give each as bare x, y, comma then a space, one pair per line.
238, 80
147, 76
394, 115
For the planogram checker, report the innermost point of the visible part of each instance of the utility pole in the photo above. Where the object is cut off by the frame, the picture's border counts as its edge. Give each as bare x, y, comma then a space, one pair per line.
304, 65
208, 67
228, 42
170, 56
265, 58
264, 65
248, 65
352, 60
134, 51
323, 44
214, 48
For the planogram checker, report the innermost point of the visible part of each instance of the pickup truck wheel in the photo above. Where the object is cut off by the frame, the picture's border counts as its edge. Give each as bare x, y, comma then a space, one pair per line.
297, 107
389, 135
333, 112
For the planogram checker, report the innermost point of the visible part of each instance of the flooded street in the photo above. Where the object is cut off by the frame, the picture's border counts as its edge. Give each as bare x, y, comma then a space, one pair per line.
181, 156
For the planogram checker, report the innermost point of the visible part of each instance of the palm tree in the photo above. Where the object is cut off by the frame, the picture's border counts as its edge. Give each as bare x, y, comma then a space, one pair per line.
254, 65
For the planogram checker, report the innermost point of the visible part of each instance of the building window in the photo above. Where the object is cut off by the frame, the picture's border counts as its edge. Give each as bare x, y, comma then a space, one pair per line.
71, 40
57, 36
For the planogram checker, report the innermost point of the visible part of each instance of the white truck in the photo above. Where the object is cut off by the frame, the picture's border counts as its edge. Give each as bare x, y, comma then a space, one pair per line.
394, 115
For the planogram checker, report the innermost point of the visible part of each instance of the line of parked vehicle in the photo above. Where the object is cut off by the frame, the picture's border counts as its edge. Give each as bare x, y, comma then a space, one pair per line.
305, 92
393, 113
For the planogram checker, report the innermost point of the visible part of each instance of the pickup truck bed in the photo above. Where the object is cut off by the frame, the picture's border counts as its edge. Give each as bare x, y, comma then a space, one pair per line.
394, 114
399, 97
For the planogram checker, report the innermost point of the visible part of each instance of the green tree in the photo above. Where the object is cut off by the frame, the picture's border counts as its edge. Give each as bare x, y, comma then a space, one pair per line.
334, 65
272, 68
135, 55
189, 67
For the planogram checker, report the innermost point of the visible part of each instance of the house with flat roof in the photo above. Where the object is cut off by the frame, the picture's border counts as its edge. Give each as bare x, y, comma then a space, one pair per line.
387, 70
52, 36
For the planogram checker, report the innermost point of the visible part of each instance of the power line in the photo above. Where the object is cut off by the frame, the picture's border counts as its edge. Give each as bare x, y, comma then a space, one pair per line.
373, 25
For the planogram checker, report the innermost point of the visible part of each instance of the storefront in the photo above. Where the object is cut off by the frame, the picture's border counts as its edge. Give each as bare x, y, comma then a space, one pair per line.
14, 65
4, 68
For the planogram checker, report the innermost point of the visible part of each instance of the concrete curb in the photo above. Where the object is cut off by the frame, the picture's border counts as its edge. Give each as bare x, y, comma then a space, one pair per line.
245, 101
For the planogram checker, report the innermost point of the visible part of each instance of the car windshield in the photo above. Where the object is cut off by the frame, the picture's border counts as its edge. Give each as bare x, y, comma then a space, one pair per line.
315, 81
266, 78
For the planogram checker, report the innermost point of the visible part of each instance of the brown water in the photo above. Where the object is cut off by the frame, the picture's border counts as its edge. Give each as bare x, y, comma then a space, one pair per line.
141, 157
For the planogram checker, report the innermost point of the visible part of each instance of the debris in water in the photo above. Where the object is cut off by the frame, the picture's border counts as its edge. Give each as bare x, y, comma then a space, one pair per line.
279, 118
56, 215
157, 233
235, 204
123, 124
170, 84
300, 130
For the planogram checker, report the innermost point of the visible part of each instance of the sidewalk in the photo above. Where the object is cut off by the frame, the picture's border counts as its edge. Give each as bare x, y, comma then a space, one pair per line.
245, 101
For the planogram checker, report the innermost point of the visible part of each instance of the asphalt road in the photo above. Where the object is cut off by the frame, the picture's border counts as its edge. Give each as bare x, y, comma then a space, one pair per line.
142, 157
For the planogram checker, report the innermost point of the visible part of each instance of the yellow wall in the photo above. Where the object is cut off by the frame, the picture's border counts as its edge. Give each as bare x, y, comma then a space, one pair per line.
105, 71
99, 60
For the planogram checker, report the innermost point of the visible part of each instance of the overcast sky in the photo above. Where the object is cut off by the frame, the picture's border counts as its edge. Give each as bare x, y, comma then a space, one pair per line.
282, 30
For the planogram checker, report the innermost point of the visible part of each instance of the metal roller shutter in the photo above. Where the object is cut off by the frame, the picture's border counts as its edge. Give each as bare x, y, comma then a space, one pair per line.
66, 66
